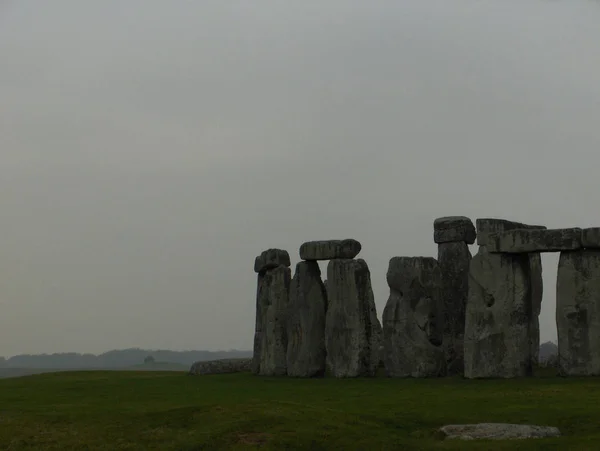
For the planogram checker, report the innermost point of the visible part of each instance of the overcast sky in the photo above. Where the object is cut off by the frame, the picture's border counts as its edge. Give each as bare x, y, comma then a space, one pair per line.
151, 149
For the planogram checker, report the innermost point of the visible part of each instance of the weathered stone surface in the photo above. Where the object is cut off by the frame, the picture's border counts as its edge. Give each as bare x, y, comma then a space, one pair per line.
222, 366
261, 304
270, 339
352, 330
578, 313
454, 229
306, 322
412, 332
537, 294
270, 259
487, 226
498, 316
590, 238
491, 226
329, 250
535, 240
497, 431
454, 260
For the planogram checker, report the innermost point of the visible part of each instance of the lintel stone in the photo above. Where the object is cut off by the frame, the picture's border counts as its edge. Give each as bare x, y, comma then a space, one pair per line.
520, 241
487, 226
451, 229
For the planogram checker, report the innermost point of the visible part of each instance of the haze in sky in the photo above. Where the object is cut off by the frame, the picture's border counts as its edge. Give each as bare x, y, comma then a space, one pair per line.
151, 149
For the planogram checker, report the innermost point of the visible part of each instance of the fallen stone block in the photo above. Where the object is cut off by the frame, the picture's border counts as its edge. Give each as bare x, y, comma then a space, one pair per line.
270, 259
222, 366
487, 226
451, 229
578, 313
497, 431
330, 250
534, 240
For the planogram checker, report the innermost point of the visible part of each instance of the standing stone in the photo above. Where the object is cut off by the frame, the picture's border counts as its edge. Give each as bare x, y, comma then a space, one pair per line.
306, 322
454, 260
412, 330
537, 294
498, 317
261, 304
270, 341
352, 330
578, 313
488, 227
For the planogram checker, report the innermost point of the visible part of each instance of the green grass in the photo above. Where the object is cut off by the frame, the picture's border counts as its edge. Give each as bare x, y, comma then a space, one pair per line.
167, 410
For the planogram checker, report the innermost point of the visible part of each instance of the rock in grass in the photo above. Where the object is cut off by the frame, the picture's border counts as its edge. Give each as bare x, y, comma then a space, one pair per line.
222, 366
497, 431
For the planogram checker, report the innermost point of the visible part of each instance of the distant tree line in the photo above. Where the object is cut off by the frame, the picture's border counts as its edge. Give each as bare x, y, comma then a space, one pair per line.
115, 359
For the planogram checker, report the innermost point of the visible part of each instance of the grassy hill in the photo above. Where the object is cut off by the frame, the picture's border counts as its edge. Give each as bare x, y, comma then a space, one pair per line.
170, 410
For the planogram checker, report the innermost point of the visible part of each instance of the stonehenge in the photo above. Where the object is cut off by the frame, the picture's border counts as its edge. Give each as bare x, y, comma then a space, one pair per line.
457, 314
303, 326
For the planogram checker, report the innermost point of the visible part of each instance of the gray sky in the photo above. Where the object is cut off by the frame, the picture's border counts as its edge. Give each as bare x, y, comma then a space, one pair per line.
151, 149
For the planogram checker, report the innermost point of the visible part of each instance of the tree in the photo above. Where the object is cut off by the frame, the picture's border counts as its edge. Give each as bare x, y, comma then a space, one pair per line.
149, 360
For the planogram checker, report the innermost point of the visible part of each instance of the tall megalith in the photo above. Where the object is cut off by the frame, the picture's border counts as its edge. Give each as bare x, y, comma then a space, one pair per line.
352, 330
488, 227
306, 322
412, 325
498, 316
453, 234
272, 299
578, 312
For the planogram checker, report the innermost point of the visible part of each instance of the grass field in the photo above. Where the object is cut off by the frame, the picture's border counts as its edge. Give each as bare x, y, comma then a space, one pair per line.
168, 410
